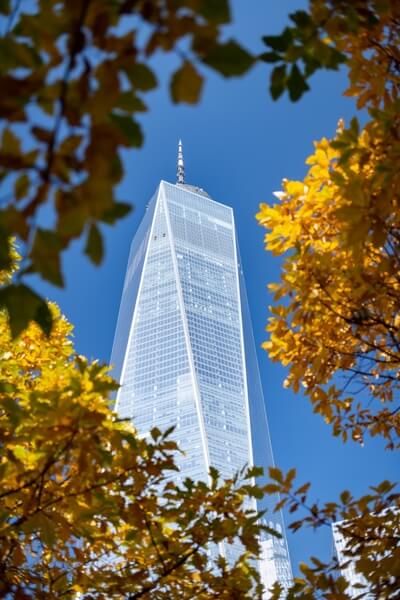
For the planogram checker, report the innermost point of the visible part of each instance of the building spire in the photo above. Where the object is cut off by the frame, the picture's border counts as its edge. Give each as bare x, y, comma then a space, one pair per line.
180, 174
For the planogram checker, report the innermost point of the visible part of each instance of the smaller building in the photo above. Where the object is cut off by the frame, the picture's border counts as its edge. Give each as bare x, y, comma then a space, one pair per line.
274, 560
349, 572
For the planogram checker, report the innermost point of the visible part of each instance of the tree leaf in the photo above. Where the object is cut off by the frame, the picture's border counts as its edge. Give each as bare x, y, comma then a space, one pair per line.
215, 11
186, 84
279, 42
21, 186
296, 84
270, 57
41, 134
5, 7
141, 76
276, 474
94, 245
11, 144
278, 81
301, 18
24, 305
229, 59
128, 101
130, 129
45, 256
118, 211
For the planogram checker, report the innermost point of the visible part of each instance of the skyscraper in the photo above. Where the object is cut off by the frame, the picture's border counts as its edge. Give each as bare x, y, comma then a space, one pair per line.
183, 349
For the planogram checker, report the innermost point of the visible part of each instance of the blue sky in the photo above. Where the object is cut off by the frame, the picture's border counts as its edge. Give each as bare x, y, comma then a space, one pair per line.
238, 145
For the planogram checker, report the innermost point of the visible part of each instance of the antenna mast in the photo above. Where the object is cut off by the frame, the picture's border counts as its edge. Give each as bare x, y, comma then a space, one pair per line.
180, 174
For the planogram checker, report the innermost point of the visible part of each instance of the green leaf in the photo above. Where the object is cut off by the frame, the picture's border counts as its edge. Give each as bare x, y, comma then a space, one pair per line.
270, 57
118, 211
278, 81
12, 221
354, 128
8, 388
302, 19
168, 431
214, 474
24, 305
186, 84
5, 248
45, 256
44, 318
131, 130
215, 11
272, 531
334, 59
46, 530
129, 102
279, 42
141, 76
229, 59
94, 245
255, 472
14, 411
296, 84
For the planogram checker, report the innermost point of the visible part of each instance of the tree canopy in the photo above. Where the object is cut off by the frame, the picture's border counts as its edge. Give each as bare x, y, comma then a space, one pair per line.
90, 506
74, 76
87, 504
74, 79
335, 322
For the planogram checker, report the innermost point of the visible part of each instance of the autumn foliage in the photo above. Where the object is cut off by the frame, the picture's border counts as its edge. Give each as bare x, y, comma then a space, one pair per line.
74, 77
335, 321
88, 505
341, 230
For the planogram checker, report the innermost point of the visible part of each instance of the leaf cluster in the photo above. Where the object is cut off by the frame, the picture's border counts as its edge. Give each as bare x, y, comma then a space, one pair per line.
328, 34
89, 506
74, 76
335, 320
370, 526
340, 230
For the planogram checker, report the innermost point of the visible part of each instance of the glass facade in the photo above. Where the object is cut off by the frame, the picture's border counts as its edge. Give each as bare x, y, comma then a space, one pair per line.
183, 349
348, 565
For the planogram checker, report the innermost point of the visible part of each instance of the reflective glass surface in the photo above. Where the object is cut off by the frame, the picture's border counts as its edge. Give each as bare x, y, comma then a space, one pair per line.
184, 351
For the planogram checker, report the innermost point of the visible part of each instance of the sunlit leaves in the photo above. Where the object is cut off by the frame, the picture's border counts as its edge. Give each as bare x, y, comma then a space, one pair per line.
334, 323
338, 297
337, 304
87, 504
370, 526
